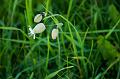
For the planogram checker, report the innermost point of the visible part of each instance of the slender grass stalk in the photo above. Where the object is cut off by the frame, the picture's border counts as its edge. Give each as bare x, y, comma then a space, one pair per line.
91, 50
111, 65
48, 50
47, 6
29, 12
112, 29
69, 8
118, 74
59, 54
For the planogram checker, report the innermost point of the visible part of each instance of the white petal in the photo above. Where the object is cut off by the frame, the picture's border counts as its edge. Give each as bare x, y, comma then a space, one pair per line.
39, 28
54, 33
38, 18
31, 31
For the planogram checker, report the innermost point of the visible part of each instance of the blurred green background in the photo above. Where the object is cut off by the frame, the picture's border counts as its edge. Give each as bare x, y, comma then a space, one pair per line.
88, 45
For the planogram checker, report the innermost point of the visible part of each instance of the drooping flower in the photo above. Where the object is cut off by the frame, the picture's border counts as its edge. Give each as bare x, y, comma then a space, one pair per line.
39, 28
54, 33
39, 17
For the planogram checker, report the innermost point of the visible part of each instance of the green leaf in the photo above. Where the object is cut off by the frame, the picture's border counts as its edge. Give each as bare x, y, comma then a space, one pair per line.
31, 76
98, 76
56, 72
108, 51
114, 14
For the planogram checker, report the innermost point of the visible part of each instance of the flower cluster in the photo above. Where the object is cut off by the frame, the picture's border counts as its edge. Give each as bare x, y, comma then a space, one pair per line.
40, 27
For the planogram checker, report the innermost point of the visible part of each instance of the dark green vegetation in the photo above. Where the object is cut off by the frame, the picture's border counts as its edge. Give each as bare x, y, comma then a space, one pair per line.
88, 46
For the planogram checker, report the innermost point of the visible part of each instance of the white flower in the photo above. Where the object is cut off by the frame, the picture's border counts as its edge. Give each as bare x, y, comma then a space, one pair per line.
39, 17
39, 28
54, 33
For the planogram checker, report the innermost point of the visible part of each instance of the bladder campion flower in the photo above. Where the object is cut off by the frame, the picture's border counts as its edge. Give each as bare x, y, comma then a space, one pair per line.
39, 17
39, 28
54, 33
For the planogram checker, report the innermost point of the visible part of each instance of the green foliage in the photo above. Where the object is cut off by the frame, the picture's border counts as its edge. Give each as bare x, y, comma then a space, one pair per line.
56, 72
114, 14
87, 46
108, 51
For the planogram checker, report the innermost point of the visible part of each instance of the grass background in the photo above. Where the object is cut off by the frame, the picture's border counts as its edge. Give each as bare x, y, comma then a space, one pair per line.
88, 46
